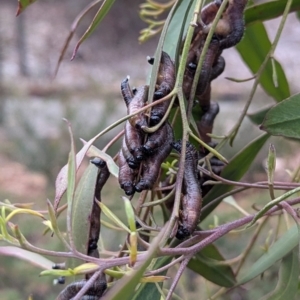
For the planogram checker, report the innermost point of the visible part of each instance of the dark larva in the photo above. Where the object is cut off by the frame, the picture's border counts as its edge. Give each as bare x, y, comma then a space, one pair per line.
208, 62
126, 92
132, 162
151, 166
205, 125
166, 76
165, 84
230, 28
156, 139
133, 140
209, 11
192, 199
94, 292
98, 162
95, 214
138, 102
99, 286
217, 68
126, 175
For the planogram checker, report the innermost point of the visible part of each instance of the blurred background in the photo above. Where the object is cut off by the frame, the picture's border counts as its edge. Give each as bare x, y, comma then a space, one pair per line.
34, 140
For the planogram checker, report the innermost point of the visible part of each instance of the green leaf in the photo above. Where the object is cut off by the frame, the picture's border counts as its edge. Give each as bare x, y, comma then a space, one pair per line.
205, 263
125, 288
280, 248
284, 119
257, 43
82, 208
34, 258
267, 11
258, 117
101, 13
236, 168
176, 28
23, 4
287, 284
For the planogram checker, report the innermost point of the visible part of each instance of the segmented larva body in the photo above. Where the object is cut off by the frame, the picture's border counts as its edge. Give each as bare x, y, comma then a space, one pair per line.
233, 18
126, 175
133, 140
230, 27
94, 292
132, 162
95, 224
126, 91
209, 11
138, 101
192, 199
99, 286
151, 167
208, 62
206, 123
156, 139
165, 83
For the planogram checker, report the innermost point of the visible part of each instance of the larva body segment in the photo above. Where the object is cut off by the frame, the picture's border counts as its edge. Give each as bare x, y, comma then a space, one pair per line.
156, 139
151, 167
209, 11
166, 76
130, 159
192, 199
134, 139
126, 175
217, 68
95, 224
138, 101
208, 62
233, 18
165, 84
94, 292
206, 123
126, 91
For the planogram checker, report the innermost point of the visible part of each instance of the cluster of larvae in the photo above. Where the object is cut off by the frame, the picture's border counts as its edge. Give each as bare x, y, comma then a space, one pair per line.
151, 150
141, 149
